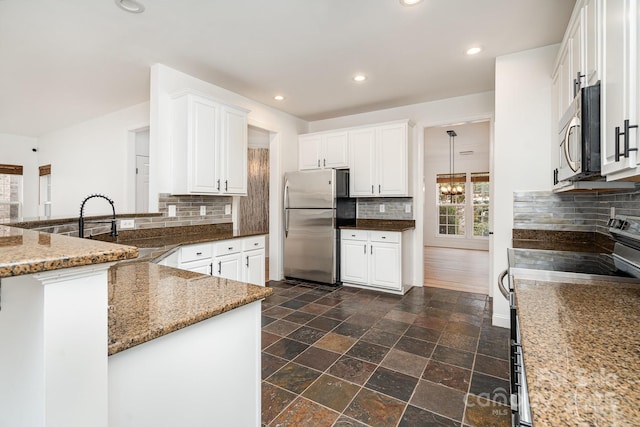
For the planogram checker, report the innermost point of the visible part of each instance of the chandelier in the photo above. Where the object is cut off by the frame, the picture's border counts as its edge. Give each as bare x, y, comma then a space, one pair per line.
450, 189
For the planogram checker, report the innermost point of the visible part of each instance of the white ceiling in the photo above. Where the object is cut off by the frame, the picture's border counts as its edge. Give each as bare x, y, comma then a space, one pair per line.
65, 61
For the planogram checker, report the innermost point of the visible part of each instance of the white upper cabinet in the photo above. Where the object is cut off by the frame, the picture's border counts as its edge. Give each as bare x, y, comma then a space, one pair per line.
323, 150
620, 96
362, 162
209, 146
579, 59
592, 50
378, 160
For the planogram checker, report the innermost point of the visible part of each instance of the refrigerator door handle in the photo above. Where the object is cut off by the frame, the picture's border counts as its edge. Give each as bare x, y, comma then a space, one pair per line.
286, 223
286, 194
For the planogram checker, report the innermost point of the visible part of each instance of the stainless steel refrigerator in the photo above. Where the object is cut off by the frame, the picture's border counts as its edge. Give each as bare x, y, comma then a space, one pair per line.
316, 203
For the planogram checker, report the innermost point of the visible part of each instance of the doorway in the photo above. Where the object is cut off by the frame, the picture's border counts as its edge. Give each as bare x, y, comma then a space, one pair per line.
253, 210
456, 223
141, 190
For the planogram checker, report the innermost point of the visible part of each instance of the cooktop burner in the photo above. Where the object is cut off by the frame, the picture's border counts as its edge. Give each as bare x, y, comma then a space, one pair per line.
563, 261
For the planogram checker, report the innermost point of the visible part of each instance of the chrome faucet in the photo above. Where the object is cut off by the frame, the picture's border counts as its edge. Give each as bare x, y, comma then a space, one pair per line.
81, 221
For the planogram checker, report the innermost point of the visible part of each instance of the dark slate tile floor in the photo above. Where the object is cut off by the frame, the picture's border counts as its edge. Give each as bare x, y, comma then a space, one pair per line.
351, 358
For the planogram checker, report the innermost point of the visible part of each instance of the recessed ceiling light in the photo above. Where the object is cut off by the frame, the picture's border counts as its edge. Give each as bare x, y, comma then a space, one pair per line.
359, 77
409, 2
130, 6
474, 50
279, 98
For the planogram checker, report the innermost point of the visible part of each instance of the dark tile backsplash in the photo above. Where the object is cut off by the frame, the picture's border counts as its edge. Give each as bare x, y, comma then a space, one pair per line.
588, 212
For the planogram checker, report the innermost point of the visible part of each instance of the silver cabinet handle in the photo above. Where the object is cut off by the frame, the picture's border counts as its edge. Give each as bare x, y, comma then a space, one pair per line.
231, 248
247, 261
226, 185
211, 269
198, 253
318, 162
325, 163
371, 249
379, 188
218, 185
255, 244
372, 189
219, 267
365, 248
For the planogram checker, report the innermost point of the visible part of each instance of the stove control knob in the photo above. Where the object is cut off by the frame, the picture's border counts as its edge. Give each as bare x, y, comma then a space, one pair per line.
624, 225
611, 222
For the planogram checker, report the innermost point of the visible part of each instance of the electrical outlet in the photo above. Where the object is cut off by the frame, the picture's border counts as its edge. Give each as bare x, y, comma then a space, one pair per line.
127, 223
227, 209
381, 208
172, 210
203, 210
407, 207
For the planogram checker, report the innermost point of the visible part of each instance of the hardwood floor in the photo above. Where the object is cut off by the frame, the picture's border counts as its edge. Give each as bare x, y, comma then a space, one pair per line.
458, 269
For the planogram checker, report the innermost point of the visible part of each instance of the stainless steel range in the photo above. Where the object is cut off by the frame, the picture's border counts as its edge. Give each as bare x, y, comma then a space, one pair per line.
622, 265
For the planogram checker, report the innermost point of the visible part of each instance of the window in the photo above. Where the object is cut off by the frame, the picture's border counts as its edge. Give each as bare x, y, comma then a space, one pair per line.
451, 207
45, 190
467, 204
10, 192
480, 183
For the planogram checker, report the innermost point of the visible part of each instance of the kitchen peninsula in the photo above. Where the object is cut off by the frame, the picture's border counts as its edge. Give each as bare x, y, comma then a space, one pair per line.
172, 336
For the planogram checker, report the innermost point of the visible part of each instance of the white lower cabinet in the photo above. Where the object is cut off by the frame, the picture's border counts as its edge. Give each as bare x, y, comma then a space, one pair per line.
373, 259
241, 259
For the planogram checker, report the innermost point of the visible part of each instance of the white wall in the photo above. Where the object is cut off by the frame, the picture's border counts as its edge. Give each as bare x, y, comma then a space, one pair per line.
17, 150
284, 129
424, 115
95, 156
522, 146
474, 137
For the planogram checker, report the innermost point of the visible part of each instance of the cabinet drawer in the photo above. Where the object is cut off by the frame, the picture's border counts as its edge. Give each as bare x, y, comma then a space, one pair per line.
385, 236
354, 234
228, 247
256, 242
196, 252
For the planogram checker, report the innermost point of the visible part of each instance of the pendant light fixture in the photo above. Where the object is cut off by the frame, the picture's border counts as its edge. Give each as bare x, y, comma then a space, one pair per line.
450, 189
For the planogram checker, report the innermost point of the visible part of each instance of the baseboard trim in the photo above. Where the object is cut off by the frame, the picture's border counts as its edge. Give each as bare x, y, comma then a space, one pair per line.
501, 321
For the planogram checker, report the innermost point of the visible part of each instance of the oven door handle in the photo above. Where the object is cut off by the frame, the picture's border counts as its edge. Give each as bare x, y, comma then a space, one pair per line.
503, 290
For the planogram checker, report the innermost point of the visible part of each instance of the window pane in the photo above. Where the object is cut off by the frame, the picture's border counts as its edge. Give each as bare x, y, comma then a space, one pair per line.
480, 208
10, 196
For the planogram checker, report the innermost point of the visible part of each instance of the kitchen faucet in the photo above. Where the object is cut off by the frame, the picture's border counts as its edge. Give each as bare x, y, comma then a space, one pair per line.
81, 221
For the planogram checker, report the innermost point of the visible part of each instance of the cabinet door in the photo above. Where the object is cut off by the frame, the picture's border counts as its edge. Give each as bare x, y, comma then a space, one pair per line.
566, 78
591, 46
335, 150
354, 259
619, 77
362, 144
234, 152
392, 145
202, 266
576, 55
254, 267
228, 266
203, 132
309, 152
386, 265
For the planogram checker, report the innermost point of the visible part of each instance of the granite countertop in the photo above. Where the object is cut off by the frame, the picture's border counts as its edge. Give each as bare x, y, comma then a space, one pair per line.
27, 252
147, 301
382, 225
41, 221
581, 349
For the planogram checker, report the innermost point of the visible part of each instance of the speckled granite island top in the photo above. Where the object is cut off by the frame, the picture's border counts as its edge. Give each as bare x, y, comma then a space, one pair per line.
581, 346
27, 252
147, 301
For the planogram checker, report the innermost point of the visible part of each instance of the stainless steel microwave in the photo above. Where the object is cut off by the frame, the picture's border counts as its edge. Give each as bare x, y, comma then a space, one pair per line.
579, 135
